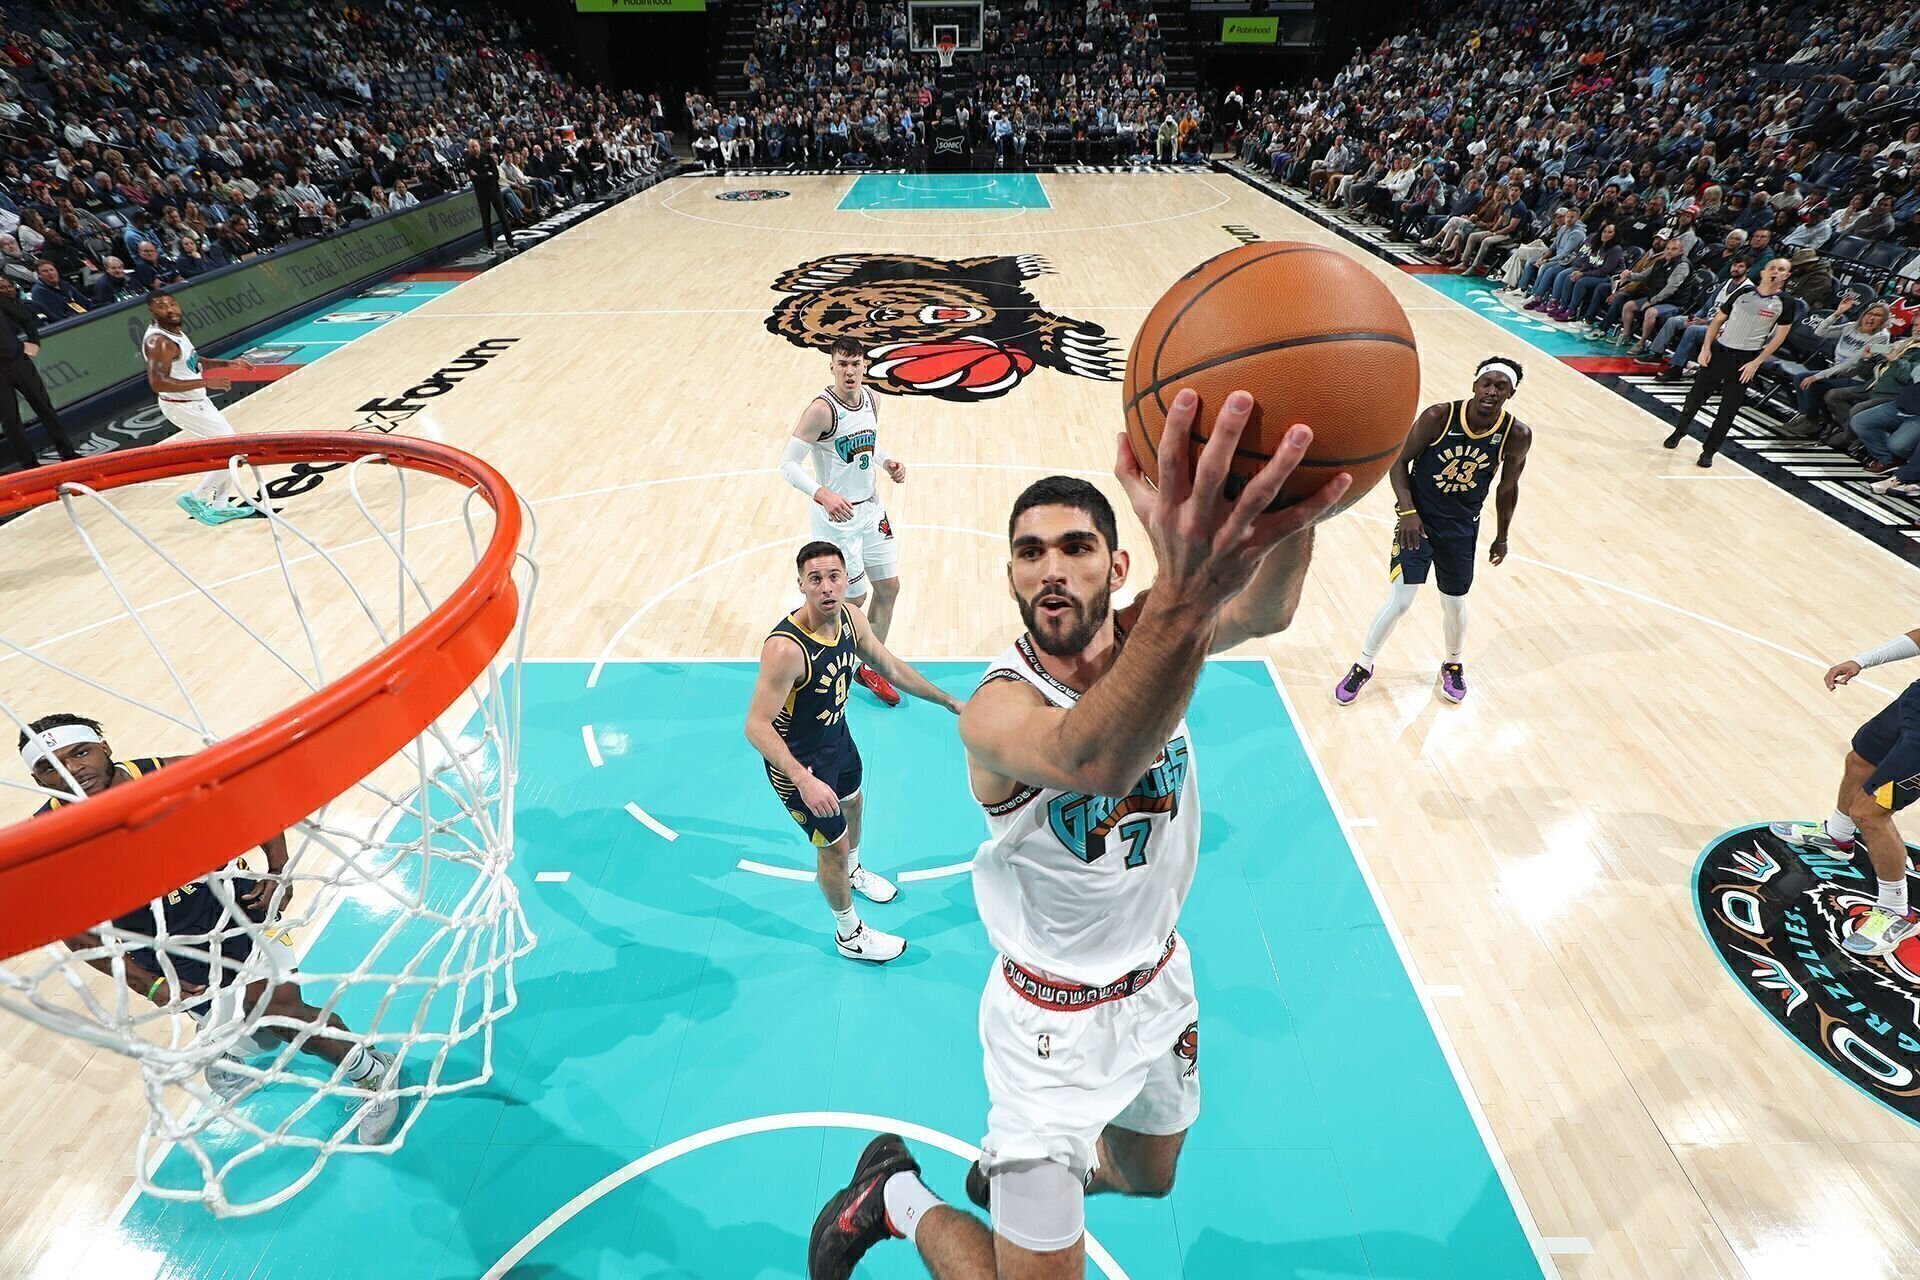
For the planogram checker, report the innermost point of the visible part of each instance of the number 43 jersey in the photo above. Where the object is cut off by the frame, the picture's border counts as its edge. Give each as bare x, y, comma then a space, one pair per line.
1087, 888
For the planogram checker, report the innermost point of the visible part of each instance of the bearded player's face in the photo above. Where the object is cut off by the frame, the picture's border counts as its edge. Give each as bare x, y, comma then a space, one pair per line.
1063, 576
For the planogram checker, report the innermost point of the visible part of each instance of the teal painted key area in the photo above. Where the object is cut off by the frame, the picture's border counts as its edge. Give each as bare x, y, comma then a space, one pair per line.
945, 191
687, 1032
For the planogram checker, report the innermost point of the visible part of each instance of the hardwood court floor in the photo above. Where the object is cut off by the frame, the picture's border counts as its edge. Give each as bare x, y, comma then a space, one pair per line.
1645, 667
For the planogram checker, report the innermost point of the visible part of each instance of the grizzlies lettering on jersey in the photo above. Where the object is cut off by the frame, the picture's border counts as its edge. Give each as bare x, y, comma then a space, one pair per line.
843, 462
1083, 823
1453, 476
815, 714
1087, 888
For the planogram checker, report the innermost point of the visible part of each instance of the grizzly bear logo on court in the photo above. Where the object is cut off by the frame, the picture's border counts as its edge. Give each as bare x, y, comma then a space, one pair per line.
963, 329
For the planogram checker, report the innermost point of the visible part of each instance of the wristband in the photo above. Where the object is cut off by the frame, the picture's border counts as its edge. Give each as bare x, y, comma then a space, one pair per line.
1901, 646
157, 984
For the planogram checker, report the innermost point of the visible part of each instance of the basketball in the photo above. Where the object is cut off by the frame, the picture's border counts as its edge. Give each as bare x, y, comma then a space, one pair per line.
1311, 334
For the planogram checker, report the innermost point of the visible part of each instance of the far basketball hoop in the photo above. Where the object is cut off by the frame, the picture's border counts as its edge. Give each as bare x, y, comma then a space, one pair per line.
945, 41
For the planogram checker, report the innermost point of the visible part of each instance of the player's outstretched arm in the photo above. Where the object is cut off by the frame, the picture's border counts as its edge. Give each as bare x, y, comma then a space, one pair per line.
1209, 550
896, 670
1905, 645
1507, 497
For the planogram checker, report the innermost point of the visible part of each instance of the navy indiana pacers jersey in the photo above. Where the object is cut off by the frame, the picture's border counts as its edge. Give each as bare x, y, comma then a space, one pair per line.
815, 715
191, 910
1453, 476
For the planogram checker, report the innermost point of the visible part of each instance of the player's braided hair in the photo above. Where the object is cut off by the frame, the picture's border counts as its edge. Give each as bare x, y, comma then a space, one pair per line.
45, 723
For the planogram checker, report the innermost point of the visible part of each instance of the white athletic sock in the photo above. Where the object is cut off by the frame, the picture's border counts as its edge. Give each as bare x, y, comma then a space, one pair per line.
360, 1064
847, 922
1399, 600
907, 1199
212, 487
853, 861
1893, 895
1841, 827
1454, 610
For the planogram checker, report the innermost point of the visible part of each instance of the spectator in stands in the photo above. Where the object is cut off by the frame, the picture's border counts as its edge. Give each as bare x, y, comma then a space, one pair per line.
1892, 378
1513, 224
113, 284
1811, 279
1599, 259
1645, 288
1877, 222
53, 298
1905, 424
190, 261
1558, 246
1858, 345
152, 268
16, 264
1889, 431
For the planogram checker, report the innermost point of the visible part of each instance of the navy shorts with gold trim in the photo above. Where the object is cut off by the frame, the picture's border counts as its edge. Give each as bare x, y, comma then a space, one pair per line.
838, 765
1891, 740
1447, 549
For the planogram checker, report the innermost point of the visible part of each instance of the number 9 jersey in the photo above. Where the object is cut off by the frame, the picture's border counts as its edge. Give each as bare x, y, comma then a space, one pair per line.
1082, 887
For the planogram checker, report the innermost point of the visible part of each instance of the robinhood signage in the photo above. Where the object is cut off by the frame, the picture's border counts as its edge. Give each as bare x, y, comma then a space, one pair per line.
640, 6
1249, 30
103, 350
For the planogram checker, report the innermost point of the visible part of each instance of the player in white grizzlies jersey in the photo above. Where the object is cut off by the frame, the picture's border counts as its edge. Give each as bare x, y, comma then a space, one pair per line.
1078, 750
839, 430
181, 378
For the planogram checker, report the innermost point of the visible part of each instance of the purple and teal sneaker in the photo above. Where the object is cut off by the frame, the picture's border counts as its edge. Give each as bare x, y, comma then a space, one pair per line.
1453, 681
1350, 685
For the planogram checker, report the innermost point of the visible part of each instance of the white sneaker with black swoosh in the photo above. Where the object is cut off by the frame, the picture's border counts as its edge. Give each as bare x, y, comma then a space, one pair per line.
871, 945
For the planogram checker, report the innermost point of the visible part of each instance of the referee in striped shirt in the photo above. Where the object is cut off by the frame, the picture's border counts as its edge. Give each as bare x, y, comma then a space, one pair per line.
1746, 328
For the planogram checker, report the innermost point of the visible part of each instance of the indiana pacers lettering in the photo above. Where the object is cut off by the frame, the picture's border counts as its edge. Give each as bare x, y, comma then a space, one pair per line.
1083, 823
1454, 475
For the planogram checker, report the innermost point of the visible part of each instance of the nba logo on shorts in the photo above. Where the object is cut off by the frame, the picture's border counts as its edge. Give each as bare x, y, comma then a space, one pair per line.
1046, 1046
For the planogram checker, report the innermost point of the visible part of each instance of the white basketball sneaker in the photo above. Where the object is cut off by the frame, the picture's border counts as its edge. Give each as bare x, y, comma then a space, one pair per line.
873, 887
377, 1114
871, 945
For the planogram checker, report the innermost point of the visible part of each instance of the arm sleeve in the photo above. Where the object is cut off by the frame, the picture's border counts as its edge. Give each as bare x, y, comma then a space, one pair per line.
793, 466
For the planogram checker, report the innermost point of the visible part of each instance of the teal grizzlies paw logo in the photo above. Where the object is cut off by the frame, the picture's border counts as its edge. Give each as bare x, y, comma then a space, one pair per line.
965, 329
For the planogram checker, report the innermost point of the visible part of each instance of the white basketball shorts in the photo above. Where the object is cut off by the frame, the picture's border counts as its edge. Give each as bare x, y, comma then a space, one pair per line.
196, 417
866, 541
1056, 1078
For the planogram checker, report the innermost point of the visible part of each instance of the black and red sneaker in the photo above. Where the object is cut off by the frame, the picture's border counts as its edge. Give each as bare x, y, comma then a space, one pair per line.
855, 1219
877, 685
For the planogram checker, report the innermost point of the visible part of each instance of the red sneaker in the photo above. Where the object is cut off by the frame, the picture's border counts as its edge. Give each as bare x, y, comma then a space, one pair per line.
878, 686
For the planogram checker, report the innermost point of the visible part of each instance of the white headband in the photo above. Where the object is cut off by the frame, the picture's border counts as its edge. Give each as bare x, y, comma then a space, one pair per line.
1501, 366
41, 746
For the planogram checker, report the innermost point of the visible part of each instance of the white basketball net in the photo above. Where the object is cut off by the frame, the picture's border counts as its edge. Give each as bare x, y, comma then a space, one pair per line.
242, 1114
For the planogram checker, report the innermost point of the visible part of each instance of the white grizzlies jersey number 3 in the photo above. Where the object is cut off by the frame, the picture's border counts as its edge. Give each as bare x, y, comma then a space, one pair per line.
1088, 888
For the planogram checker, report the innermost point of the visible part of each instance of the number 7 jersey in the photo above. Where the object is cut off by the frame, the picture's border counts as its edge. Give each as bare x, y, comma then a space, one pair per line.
1087, 888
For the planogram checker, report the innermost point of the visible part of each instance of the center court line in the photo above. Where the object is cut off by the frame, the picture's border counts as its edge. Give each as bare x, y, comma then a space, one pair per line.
1096, 1252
